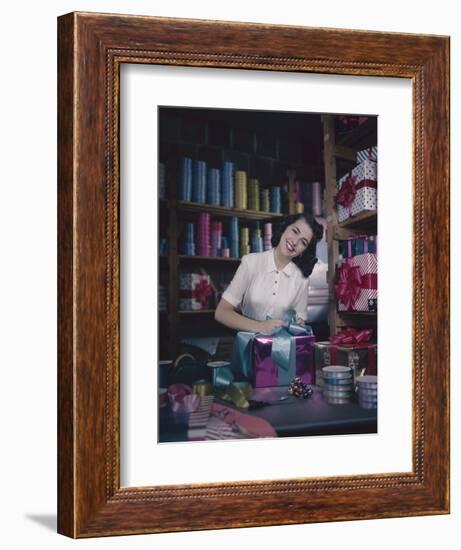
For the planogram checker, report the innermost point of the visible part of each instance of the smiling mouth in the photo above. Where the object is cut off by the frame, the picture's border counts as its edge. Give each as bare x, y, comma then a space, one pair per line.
290, 247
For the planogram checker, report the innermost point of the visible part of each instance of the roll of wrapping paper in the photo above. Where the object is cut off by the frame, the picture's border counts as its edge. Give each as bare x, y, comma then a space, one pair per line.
241, 197
199, 181
185, 182
275, 199
188, 244
225, 251
216, 236
213, 187
253, 194
234, 236
317, 199
227, 185
267, 239
265, 202
203, 237
244, 241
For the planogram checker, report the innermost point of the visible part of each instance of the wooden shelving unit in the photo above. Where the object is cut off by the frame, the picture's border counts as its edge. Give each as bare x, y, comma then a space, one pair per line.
270, 147
364, 223
220, 211
176, 210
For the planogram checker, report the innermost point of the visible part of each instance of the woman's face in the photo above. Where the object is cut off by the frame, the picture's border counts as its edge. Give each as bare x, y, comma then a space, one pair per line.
295, 239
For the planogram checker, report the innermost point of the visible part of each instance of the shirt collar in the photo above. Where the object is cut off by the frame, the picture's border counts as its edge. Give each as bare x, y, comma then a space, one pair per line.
288, 270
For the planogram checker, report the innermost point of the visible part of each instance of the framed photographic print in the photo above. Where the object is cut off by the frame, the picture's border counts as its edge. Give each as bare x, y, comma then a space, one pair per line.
220, 260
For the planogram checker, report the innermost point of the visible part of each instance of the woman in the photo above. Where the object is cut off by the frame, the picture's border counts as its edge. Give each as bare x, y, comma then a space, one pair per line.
267, 284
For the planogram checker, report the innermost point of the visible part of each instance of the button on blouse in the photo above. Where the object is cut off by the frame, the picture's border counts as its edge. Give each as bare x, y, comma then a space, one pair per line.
260, 290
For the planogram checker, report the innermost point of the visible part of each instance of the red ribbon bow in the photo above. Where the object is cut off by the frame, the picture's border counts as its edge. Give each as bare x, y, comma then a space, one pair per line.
349, 284
201, 291
347, 193
352, 336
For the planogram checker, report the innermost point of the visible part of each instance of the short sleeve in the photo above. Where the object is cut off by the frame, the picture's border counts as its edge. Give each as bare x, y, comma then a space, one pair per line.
302, 299
239, 284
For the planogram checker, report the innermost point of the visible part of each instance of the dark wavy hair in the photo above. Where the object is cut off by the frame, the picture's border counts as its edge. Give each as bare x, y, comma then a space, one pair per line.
308, 259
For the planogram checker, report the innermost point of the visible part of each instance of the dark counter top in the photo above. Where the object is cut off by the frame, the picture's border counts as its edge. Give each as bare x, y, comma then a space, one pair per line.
291, 417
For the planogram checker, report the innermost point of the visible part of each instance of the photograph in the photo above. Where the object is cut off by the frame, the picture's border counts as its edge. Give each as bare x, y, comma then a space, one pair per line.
268, 274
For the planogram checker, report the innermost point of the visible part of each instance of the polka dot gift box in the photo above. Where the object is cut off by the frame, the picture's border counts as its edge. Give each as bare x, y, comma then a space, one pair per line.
357, 191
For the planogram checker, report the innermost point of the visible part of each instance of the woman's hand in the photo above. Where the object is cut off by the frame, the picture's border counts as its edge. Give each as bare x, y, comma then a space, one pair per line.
269, 326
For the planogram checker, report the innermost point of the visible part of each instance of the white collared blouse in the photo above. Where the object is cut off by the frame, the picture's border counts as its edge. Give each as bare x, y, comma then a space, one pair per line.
261, 291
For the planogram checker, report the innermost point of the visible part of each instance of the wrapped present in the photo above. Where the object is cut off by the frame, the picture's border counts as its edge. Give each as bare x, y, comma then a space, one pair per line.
357, 283
276, 359
350, 348
195, 291
371, 153
351, 121
357, 244
357, 191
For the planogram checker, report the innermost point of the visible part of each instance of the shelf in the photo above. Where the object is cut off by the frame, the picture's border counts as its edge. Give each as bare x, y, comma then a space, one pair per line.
208, 259
365, 221
186, 206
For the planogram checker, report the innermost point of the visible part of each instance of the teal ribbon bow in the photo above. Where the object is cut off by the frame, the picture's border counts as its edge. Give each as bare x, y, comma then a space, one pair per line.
283, 349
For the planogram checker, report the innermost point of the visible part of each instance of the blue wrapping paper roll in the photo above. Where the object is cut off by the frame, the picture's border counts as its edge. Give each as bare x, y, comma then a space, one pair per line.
199, 181
227, 185
185, 184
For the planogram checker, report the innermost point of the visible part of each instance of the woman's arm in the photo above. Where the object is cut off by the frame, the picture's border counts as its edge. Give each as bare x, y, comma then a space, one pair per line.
225, 313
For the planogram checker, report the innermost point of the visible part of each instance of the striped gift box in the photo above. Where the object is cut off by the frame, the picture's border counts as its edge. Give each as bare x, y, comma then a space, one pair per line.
198, 420
371, 153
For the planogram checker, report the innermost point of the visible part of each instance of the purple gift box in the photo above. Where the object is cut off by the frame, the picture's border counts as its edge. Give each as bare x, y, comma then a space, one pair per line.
267, 373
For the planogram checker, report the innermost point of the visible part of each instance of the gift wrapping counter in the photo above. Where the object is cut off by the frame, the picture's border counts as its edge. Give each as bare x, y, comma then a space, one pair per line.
291, 417
282, 385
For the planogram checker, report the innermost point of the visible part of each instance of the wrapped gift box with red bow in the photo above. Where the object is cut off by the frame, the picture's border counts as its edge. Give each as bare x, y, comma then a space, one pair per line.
351, 348
357, 191
195, 291
357, 283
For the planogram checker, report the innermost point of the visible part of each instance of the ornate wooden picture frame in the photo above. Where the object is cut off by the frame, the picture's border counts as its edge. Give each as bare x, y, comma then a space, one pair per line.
92, 48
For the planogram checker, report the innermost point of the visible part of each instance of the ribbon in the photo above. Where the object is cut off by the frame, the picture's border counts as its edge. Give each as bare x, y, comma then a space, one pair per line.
284, 346
351, 336
351, 282
283, 351
354, 339
201, 291
346, 195
182, 399
238, 393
